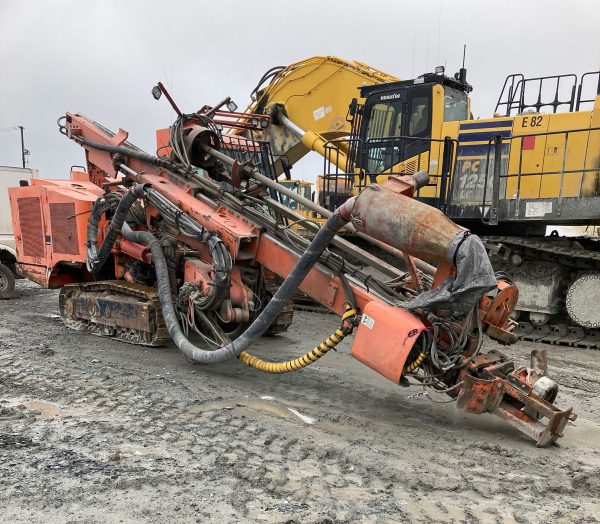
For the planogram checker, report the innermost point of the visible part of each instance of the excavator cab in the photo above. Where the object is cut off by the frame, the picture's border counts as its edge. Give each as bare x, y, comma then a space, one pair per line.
399, 119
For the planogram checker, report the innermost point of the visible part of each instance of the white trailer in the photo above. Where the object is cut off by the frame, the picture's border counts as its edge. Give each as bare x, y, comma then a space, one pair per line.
9, 177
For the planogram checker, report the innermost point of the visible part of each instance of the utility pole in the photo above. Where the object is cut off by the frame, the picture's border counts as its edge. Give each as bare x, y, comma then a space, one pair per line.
22, 145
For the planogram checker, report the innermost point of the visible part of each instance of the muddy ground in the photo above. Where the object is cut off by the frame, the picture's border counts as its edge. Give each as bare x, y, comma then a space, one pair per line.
93, 430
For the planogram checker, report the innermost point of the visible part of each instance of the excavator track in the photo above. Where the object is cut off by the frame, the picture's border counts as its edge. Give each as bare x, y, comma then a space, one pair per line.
557, 250
115, 308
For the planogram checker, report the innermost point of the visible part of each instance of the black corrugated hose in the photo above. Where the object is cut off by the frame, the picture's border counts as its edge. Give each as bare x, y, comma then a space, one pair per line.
97, 258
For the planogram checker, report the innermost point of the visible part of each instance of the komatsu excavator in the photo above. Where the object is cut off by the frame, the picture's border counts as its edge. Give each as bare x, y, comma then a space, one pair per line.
197, 241
534, 164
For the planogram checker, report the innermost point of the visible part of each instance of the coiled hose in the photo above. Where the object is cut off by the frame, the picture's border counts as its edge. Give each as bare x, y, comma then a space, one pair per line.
96, 258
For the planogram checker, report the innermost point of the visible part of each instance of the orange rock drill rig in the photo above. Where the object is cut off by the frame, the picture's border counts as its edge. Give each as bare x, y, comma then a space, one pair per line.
198, 240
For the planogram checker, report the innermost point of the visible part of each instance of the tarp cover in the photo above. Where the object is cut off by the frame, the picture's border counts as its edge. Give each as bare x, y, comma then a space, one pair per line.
474, 277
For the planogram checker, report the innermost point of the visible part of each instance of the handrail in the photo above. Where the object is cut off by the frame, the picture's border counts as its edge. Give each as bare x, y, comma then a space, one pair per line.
519, 174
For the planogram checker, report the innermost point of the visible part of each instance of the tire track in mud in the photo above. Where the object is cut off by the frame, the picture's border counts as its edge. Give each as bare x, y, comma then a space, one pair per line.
142, 436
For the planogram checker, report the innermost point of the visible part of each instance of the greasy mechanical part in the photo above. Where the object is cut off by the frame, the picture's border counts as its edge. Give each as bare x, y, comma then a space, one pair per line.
268, 314
490, 384
305, 360
581, 298
115, 308
222, 259
7, 279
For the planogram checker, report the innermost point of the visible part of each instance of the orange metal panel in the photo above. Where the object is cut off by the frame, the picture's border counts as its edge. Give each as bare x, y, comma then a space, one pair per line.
50, 221
320, 283
385, 337
162, 142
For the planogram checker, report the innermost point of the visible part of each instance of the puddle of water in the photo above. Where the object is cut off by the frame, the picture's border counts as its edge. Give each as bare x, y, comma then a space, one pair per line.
47, 410
303, 418
142, 451
265, 404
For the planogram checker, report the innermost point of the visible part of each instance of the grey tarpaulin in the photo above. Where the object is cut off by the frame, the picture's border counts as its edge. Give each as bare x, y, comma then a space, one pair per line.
474, 277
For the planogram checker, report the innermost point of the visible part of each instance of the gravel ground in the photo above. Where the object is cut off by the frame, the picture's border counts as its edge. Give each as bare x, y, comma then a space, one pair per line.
93, 430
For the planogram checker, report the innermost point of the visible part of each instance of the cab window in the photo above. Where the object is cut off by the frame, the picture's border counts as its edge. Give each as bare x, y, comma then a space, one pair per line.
385, 120
455, 105
384, 127
419, 116
286, 200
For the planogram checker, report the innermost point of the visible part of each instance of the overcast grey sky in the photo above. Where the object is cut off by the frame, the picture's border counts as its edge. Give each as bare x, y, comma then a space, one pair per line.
101, 58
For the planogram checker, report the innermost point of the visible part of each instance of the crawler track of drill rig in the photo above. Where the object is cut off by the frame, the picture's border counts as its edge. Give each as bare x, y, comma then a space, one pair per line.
130, 312
115, 308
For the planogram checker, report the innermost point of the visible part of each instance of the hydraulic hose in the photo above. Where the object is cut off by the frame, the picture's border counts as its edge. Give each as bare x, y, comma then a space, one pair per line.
97, 258
312, 356
269, 313
221, 257
123, 150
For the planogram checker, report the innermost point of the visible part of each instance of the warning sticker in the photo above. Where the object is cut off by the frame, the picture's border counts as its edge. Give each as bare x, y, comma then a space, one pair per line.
319, 113
537, 209
367, 321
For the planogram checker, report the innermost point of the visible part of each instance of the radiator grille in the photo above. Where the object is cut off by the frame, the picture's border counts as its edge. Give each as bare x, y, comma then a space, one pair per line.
411, 167
64, 228
32, 232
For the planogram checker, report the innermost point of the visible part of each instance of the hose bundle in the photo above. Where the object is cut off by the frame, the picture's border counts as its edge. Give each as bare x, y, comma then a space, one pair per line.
259, 325
97, 257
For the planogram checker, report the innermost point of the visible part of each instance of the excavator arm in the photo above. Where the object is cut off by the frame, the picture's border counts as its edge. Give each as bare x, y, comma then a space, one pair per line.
308, 103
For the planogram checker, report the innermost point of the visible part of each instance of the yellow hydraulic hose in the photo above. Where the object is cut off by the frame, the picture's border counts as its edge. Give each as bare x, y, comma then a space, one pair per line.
415, 364
310, 357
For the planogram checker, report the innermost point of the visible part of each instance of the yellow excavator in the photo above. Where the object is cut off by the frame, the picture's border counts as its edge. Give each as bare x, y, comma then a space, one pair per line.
534, 164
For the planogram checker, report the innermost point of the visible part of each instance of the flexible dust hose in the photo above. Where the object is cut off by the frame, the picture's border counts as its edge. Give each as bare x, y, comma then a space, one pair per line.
97, 257
269, 313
